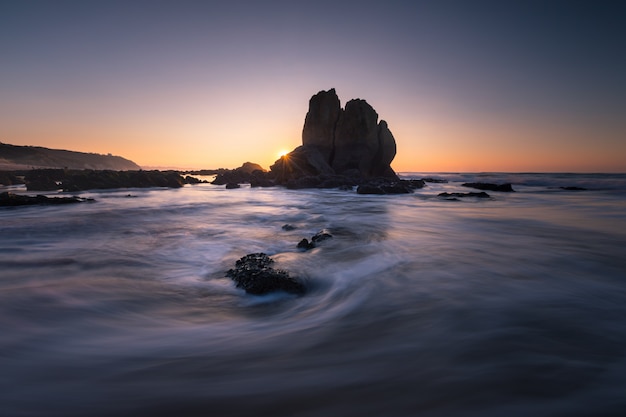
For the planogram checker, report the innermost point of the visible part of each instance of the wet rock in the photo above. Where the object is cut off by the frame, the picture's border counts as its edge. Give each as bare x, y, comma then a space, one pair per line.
246, 173
456, 196
321, 236
573, 188
288, 227
232, 185
489, 186
369, 189
435, 180
254, 274
316, 239
12, 200
81, 180
305, 244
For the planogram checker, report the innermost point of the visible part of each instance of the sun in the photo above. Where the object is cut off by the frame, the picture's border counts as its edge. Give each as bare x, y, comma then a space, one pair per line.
282, 153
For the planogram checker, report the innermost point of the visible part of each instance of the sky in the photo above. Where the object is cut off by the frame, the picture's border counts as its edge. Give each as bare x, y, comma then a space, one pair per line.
477, 86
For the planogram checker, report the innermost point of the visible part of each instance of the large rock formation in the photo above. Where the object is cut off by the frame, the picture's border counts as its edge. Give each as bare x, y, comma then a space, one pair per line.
348, 142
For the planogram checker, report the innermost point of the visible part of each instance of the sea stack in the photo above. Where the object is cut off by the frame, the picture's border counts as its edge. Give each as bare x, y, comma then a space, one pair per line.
349, 142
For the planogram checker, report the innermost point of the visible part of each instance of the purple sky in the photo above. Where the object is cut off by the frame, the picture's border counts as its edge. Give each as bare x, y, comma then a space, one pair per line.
478, 86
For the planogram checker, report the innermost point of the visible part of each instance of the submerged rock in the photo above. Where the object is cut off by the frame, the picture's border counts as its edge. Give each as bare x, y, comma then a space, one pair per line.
317, 238
571, 188
255, 275
12, 200
489, 186
456, 196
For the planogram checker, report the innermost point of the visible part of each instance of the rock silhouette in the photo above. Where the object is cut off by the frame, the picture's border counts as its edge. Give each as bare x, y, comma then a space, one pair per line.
349, 142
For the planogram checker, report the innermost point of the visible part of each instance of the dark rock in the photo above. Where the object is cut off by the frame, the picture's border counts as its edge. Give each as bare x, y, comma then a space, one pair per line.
456, 196
232, 185
261, 182
80, 180
489, 187
255, 275
573, 188
289, 227
369, 189
305, 244
435, 180
304, 161
11, 177
193, 180
246, 173
351, 143
384, 186
415, 184
12, 200
317, 238
321, 236
396, 188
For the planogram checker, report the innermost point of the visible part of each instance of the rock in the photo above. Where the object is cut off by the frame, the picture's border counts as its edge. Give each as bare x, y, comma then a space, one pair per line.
232, 185
369, 189
255, 275
317, 238
435, 180
305, 244
80, 180
247, 173
250, 167
456, 196
12, 200
320, 123
573, 188
415, 184
348, 142
193, 180
321, 236
489, 187
288, 227
384, 186
304, 161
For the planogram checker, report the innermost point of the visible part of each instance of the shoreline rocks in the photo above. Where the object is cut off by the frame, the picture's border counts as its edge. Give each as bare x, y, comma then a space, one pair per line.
507, 188
82, 180
456, 196
8, 199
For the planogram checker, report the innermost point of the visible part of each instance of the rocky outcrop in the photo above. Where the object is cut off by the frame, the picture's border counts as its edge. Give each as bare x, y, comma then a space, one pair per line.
316, 239
13, 200
456, 196
246, 173
351, 143
254, 274
80, 180
489, 186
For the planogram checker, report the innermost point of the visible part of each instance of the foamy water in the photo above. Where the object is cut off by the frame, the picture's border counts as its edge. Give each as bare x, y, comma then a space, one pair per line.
512, 306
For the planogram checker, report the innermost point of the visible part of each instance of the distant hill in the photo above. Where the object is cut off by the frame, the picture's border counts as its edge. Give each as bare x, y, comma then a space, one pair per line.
14, 157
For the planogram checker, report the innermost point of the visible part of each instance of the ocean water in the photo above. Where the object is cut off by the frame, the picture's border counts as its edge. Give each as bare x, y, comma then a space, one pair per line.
418, 306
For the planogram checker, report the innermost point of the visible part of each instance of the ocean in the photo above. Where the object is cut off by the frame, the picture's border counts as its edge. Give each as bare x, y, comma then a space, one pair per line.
418, 306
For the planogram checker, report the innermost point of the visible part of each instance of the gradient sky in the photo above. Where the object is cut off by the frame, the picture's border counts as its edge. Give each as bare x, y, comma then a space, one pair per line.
465, 85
